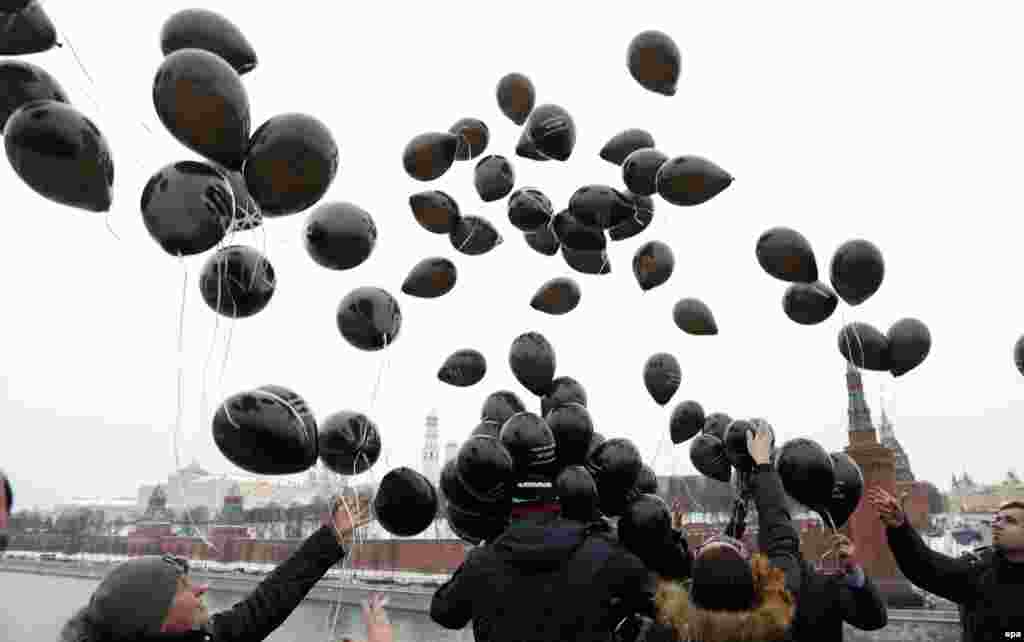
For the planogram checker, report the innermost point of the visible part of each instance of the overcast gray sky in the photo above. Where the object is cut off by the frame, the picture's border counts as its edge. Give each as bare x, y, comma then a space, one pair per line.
894, 122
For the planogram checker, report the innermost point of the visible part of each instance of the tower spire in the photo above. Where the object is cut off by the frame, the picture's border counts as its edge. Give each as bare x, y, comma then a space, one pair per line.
431, 449
858, 413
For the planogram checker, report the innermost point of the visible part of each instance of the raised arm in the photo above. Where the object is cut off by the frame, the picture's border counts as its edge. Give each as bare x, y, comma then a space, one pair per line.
934, 572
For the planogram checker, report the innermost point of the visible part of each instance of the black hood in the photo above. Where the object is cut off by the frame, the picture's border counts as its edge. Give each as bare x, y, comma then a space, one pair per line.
541, 543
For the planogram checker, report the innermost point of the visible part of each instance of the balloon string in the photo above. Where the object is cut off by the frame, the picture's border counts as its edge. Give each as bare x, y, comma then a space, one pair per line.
468, 238
91, 80
181, 403
106, 220
205, 400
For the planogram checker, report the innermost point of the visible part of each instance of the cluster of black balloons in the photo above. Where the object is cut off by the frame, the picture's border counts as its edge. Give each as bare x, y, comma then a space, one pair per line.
272, 431
856, 273
25, 28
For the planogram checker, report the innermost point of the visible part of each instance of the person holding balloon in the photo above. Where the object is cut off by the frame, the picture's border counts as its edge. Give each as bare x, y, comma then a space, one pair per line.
989, 590
734, 594
154, 596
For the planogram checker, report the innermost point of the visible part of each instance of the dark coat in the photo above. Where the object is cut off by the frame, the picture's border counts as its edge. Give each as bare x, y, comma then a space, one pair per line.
828, 601
545, 578
261, 612
991, 590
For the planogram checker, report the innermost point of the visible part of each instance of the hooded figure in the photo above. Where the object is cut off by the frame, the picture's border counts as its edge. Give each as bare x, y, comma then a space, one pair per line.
546, 578
152, 598
735, 596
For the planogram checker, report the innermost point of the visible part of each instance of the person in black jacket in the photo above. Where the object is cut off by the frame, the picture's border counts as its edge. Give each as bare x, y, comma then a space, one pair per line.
991, 592
546, 578
829, 600
154, 597
734, 595
6, 506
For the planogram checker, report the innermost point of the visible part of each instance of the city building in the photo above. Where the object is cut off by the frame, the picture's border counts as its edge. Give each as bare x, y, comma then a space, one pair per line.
125, 509
431, 461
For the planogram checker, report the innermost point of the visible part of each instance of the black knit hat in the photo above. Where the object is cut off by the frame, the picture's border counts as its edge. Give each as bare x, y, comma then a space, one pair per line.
134, 598
722, 582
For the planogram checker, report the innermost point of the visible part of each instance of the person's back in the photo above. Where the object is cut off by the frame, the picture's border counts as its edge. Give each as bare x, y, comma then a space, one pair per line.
545, 578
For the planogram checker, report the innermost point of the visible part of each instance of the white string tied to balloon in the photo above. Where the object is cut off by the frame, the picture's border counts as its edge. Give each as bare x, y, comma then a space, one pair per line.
358, 531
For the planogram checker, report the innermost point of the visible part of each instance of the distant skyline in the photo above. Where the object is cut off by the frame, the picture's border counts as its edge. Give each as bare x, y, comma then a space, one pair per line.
893, 122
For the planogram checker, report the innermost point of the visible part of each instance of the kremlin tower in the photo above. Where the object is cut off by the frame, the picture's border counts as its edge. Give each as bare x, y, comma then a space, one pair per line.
431, 465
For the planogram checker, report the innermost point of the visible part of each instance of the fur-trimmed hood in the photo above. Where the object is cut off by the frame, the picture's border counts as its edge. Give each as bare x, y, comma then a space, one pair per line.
768, 621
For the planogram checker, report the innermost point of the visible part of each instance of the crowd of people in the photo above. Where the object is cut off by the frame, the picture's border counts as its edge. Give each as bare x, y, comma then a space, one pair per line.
565, 572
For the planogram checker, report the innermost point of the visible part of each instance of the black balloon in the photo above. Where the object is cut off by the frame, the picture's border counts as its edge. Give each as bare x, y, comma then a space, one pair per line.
646, 481
661, 377
577, 494
201, 101
428, 156
21, 83
643, 213
574, 235
552, 131
560, 295
488, 427
693, 316
405, 503
291, 163
526, 149
716, 424
237, 282
621, 145
848, 489
563, 390
265, 433
340, 236
474, 235
203, 29
455, 492
595, 441
807, 472
809, 303
349, 443
463, 368
543, 240
600, 206
297, 403
187, 207
615, 465
691, 180
787, 255
435, 211
13, 6
640, 171
473, 137
485, 469
475, 527
529, 209
248, 215
27, 30
865, 346
430, 278
500, 405
516, 97
735, 441
645, 524
530, 441
532, 359
61, 155
369, 318
909, 344
493, 178
707, 454
653, 264
573, 430
1018, 354
654, 61
857, 271
686, 422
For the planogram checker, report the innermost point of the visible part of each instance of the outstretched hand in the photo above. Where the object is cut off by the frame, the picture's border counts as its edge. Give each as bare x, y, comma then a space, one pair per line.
378, 627
887, 507
759, 445
347, 516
